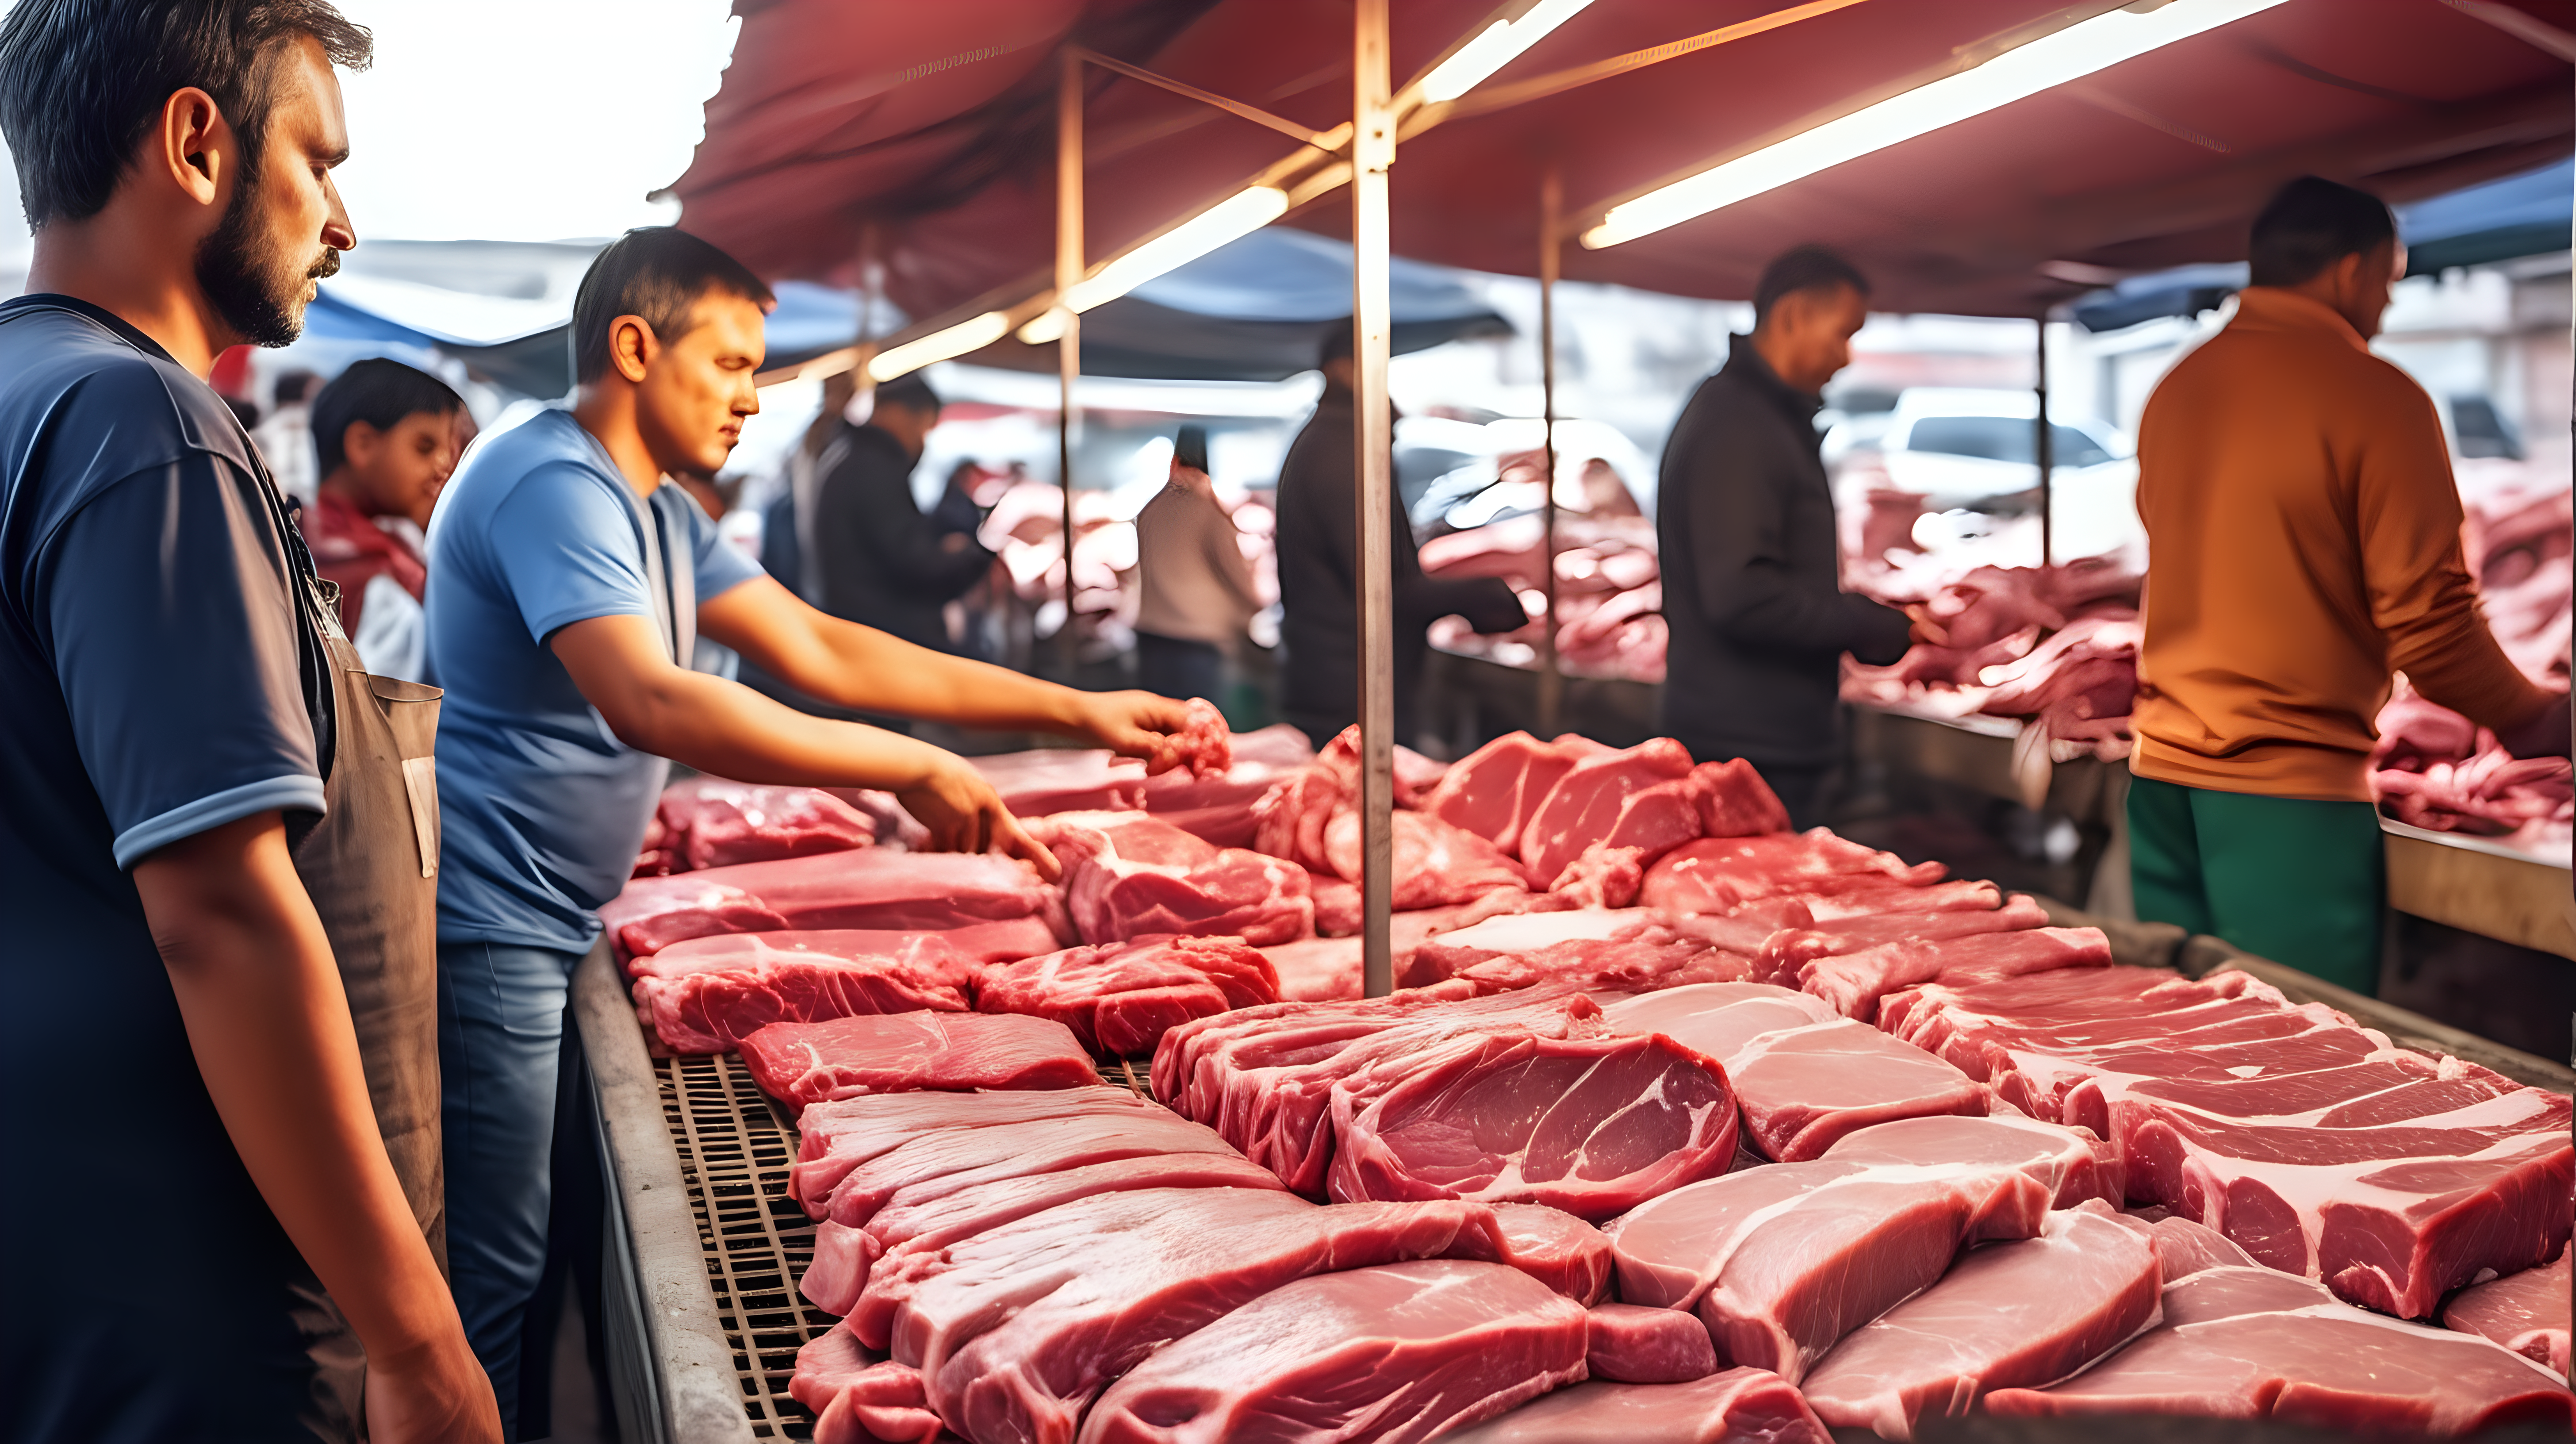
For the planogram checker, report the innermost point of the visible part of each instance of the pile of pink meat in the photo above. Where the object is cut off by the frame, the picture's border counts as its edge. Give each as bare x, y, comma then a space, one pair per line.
1609, 590
1679, 1126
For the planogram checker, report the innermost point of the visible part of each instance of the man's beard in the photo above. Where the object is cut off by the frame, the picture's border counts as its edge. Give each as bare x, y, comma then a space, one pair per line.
260, 296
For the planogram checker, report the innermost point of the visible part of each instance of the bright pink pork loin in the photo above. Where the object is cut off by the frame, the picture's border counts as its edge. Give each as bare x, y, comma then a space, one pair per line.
707, 1004
2255, 1343
1492, 791
860, 1397
1014, 1328
709, 822
1716, 799
1584, 804
1557, 1249
1593, 1126
806, 1063
2313, 1143
2073, 1165
1781, 1262
2015, 1315
1119, 998
1218, 808
1722, 874
1607, 949
1399, 1353
1127, 875
1435, 864
1785, 955
1637, 1345
1739, 1406
1050, 780
865, 888
935, 1163
835, 1137
952, 956
1854, 982
2525, 1312
1803, 1076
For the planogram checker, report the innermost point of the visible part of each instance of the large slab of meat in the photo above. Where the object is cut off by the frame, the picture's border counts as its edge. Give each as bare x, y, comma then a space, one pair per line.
1784, 956
1312, 818
705, 822
1722, 874
1129, 875
1804, 1076
864, 888
1015, 1327
837, 1136
2255, 1343
1637, 1345
1715, 799
708, 1003
1557, 1249
804, 1063
1398, 1352
859, 1396
1217, 806
1781, 1262
2310, 1141
2021, 1314
952, 956
1605, 949
2070, 1163
1855, 982
1584, 804
1120, 998
1739, 1406
1492, 791
2526, 1312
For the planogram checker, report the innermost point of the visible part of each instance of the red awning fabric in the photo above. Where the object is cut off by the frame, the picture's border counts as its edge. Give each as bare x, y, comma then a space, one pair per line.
929, 129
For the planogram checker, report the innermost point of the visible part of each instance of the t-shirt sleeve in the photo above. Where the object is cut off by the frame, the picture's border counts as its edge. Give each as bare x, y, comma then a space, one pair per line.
566, 550
722, 566
166, 604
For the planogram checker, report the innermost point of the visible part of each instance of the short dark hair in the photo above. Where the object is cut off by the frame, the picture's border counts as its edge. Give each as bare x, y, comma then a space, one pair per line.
82, 82
2310, 224
380, 393
292, 386
658, 273
910, 392
1803, 268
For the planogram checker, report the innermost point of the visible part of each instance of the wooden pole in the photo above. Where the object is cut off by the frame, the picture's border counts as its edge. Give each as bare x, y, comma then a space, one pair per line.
2043, 447
1068, 348
1551, 676
1372, 153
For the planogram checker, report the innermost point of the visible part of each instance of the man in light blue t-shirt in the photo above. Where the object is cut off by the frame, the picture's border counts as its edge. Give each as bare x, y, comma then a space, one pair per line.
566, 576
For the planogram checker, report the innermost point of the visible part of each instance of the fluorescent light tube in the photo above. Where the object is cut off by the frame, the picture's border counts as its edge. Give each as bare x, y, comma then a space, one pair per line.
2023, 71
1238, 215
1045, 326
957, 340
1502, 41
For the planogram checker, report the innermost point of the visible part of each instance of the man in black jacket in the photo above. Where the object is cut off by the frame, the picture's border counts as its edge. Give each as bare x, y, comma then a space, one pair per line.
1318, 543
1744, 520
883, 562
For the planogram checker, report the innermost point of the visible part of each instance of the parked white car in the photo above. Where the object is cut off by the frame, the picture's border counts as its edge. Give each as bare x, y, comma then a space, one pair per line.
1964, 447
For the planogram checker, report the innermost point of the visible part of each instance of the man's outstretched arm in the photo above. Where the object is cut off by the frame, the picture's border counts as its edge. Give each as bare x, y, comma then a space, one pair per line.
270, 1028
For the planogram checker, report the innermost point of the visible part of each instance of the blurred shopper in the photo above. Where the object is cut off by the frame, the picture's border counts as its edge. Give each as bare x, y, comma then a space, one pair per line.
1744, 519
2298, 501
1195, 588
177, 873
883, 563
286, 437
1319, 678
566, 575
384, 438
787, 524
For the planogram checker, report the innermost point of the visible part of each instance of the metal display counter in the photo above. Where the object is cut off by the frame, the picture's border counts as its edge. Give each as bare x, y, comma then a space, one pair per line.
2481, 886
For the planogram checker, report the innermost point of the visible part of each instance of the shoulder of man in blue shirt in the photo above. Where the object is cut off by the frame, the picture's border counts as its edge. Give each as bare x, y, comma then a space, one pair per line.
85, 377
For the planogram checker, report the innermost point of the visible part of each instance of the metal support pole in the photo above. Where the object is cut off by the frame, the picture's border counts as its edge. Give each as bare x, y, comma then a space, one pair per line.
2043, 448
1068, 348
1372, 152
1551, 676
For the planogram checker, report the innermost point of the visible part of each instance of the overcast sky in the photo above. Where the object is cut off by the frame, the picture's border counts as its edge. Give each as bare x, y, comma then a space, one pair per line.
516, 120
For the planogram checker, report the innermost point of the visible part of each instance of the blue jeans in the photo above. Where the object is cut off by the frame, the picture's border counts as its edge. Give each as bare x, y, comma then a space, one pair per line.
500, 1043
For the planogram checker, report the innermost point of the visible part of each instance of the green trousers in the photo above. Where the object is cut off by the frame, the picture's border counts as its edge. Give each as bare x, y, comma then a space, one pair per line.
2302, 883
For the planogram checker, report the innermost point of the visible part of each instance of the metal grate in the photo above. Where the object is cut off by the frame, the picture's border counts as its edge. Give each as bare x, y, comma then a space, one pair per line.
735, 1148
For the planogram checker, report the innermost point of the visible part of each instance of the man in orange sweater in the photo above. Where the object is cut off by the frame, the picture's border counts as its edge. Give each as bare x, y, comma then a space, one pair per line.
2305, 535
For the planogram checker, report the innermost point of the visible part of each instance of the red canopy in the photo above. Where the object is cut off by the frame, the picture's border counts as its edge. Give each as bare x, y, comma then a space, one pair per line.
933, 124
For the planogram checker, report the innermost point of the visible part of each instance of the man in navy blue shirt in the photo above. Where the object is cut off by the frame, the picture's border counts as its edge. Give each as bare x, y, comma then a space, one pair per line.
177, 1051
568, 580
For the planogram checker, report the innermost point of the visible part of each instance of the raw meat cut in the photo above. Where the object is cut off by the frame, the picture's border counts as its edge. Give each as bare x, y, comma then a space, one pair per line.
1804, 1076
2311, 1142
858, 1395
1781, 1262
933, 1165
1051, 779
710, 1009
1739, 1406
950, 956
2526, 1312
2070, 1163
1015, 1327
835, 1137
1721, 874
1593, 1126
865, 888
1854, 982
1127, 875
2009, 1315
709, 822
1720, 799
1492, 791
1435, 864
1638, 1345
1734, 801
1806, 1088
1318, 970
1218, 807
1615, 949
1204, 746
1584, 803
2254, 1343
804, 1063
1119, 998
1557, 1249
1291, 818
1784, 954
1399, 1352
